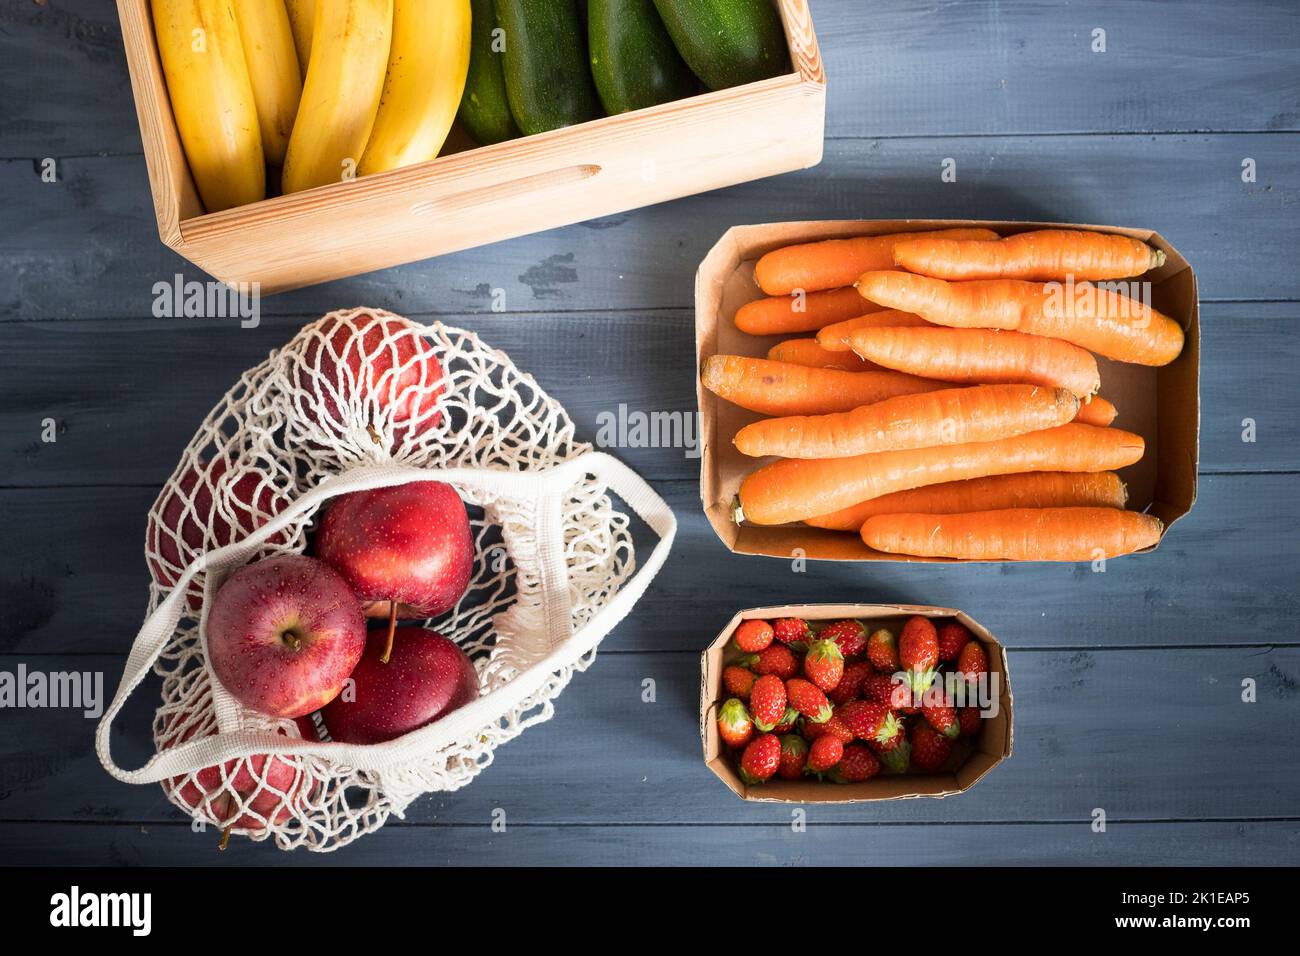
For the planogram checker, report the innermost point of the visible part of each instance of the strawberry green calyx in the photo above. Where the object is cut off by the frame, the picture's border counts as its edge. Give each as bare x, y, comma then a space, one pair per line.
921, 680
733, 713
890, 729
787, 721
825, 651
898, 758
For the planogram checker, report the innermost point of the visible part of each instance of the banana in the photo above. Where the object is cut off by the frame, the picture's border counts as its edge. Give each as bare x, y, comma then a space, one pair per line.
272, 70
427, 66
212, 99
302, 15
340, 97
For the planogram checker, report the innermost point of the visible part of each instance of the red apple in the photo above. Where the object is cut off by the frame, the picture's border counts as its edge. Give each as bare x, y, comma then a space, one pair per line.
284, 634
191, 521
426, 677
365, 371
247, 793
407, 544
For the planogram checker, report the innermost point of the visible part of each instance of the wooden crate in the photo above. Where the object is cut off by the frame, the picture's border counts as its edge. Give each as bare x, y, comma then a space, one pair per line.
480, 195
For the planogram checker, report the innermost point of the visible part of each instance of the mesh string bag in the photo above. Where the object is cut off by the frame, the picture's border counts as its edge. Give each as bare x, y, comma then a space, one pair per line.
364, 399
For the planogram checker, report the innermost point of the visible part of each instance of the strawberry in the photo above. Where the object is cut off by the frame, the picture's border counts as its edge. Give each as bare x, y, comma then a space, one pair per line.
972, 662
942, 717
753, 636
833, 727
869, 721
851, 683
930, 749
918, 652
767, 702
735, 726
857, 764
808, 699
738, 681
793, 632
882, 650
761, 759
794, 754
826, 752
777, 659
850, 636
968, 719
824, 664
787, 721
877, 687
952, 638
896, 756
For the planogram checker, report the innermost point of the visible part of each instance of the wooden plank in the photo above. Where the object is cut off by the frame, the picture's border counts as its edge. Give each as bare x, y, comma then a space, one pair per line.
944, 69
128, 394
1229, 567
64, 74
1137, 733
1123, 844
145, 385
1188, 187
895, 70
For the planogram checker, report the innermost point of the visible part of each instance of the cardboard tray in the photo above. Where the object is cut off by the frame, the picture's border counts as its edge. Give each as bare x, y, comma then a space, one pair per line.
472, 195
1160, 404
990, 748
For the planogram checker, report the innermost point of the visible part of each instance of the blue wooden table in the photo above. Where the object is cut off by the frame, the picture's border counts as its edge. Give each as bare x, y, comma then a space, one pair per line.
1128, 685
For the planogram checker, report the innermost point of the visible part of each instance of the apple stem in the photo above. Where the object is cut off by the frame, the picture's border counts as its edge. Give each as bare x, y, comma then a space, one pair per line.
392, 629
225, 837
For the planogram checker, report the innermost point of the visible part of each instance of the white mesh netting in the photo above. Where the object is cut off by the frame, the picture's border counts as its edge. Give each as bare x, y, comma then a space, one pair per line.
364, 398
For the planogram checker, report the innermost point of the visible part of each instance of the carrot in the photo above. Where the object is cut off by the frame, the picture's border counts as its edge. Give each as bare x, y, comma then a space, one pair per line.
1096, 412
1043, 255
835, 337
808, 352
1016, 534
949, 416
1044, 489
981, 356
779, 388
835, 262
795, 489
1093, 317
784, 314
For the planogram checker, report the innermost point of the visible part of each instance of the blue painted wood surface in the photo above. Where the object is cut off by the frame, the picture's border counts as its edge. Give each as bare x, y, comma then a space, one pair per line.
1127, 684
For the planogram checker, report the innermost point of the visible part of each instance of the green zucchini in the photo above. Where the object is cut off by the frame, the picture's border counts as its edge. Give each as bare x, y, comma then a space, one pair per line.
548, 81
633, 60
727, 42
484, 109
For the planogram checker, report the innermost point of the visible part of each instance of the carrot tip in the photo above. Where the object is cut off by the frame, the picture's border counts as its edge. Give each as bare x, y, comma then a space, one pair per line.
1160, 258
737, 512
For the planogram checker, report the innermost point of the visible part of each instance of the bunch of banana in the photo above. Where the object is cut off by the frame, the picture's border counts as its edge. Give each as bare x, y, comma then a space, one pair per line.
382, 88
327, 89
427, 67
212, 97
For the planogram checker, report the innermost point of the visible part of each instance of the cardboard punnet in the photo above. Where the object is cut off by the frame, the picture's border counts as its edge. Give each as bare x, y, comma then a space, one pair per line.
970, 762
1160, 404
